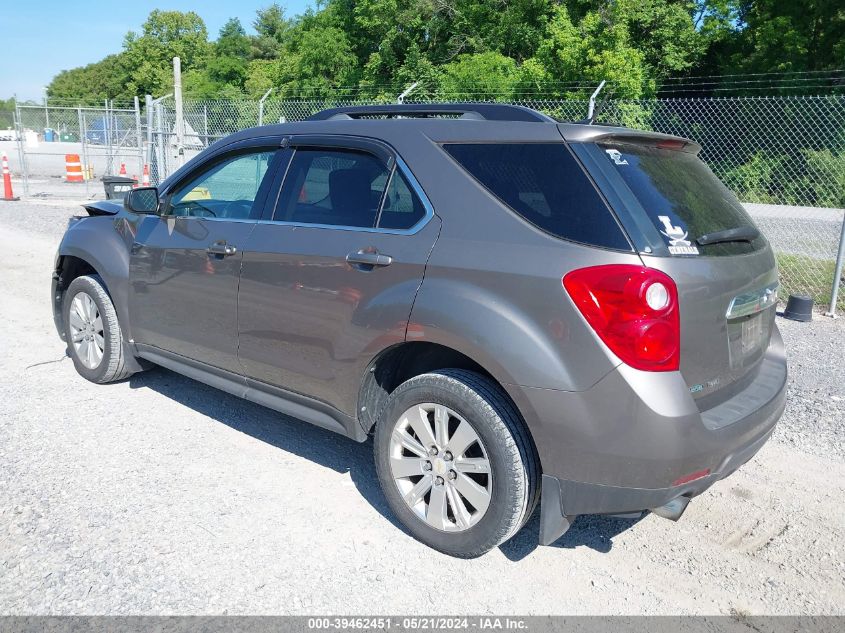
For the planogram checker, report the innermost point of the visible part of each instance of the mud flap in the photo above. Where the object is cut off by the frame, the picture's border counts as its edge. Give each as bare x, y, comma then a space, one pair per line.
553, 522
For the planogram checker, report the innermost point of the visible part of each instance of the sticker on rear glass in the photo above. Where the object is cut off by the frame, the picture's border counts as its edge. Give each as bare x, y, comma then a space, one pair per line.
616, 156
678, 242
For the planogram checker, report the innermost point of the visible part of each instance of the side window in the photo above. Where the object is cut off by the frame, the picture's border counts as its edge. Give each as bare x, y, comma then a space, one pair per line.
333, 187
227, 190
402, 207
543, 183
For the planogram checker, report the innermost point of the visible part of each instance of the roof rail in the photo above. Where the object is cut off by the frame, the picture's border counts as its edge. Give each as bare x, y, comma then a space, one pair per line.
481, 111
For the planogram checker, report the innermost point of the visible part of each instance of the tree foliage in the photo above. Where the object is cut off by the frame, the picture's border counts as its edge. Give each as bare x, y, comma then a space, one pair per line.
482, 49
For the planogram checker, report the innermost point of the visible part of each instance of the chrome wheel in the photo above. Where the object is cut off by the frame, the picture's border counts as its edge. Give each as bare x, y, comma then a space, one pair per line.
440, 467
86, 330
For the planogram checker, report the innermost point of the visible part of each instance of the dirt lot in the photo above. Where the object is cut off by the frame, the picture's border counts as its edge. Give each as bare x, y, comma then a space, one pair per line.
161, 495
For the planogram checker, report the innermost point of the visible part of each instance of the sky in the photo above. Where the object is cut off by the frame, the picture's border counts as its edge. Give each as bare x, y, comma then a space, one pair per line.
40, 38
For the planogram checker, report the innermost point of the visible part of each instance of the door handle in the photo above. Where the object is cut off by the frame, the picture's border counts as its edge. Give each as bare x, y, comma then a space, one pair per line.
368, 261
222, 249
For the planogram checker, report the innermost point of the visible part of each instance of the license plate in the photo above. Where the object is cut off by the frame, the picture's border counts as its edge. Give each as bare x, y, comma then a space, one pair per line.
752, 334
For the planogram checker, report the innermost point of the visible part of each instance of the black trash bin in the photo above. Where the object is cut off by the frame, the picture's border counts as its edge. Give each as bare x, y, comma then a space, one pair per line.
117, 186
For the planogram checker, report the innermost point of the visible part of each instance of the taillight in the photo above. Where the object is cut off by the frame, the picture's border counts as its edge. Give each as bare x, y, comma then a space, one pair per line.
633, 309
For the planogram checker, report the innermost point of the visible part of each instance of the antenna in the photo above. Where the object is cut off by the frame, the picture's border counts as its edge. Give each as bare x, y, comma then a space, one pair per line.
592, 107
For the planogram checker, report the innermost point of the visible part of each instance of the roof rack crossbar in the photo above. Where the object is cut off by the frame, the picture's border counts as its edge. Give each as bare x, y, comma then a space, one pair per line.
485, 111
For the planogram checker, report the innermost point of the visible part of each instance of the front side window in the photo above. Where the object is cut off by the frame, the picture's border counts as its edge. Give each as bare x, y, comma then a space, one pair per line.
227, 190
333, 187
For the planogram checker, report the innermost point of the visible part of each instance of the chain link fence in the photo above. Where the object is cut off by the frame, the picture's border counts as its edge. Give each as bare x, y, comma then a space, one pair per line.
784, 157
106, 139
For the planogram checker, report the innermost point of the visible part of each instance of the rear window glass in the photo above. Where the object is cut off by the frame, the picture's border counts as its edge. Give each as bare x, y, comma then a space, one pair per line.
681, 196
544, 184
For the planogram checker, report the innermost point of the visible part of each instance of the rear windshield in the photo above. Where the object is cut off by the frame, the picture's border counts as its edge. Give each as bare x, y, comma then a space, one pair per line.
544, 183
680, 195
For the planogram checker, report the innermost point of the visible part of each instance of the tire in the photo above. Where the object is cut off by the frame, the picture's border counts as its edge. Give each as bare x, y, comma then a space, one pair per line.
99, 364
512, 486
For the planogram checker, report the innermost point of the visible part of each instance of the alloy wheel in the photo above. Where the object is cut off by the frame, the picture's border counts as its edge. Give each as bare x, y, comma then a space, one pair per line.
440, 467
86, 330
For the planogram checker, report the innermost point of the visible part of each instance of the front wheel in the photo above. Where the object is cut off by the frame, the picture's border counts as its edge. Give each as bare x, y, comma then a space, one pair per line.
455, 462
92, 332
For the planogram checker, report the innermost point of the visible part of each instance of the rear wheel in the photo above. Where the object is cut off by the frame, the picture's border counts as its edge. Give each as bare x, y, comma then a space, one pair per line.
92, 332
455, 462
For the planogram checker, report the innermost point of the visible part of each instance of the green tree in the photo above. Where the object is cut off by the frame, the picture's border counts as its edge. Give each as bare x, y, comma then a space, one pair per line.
790, 36
259, 77
165, 35
481, 76
319, 64
105, 79
271, 32
227, 65
7, 113
591, 50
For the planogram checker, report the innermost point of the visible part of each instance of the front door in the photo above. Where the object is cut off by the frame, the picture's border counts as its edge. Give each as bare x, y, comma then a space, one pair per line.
185, 263
332, 279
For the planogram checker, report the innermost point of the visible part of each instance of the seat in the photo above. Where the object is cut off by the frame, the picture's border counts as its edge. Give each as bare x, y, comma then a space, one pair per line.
351, 197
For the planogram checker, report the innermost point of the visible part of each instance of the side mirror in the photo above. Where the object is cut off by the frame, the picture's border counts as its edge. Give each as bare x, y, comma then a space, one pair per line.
142, 200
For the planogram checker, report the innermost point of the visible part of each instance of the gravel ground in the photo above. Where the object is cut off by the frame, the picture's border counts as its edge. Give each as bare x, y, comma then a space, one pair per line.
160, 495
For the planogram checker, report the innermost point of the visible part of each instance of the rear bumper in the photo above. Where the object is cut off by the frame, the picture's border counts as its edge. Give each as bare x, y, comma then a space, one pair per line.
623, 445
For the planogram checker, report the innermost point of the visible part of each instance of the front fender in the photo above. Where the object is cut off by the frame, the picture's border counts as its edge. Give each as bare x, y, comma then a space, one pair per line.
105, 242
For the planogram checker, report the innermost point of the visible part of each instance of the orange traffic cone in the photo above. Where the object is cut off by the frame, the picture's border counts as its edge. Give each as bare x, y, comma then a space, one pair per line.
7, 181
135, 184
122, 171
145, 178
73, 168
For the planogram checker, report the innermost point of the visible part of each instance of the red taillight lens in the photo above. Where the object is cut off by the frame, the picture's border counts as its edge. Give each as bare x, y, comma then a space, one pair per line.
633, 309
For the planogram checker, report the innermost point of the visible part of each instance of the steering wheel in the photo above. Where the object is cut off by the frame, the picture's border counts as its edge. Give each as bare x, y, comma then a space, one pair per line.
195, 206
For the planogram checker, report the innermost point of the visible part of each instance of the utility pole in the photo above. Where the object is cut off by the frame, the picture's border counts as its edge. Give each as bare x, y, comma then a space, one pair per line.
46, 111
180, 121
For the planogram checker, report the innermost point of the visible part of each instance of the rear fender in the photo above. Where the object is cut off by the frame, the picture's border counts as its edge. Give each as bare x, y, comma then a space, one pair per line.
500, 336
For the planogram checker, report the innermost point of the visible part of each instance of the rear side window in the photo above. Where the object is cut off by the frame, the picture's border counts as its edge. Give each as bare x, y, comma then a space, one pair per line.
544, 183
402, 208
333, 187
681, 196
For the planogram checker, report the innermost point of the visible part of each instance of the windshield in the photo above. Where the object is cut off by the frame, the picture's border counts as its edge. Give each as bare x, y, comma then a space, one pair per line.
682, 198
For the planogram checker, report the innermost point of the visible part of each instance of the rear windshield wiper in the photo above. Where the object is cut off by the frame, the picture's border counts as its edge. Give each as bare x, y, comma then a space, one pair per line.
739, 234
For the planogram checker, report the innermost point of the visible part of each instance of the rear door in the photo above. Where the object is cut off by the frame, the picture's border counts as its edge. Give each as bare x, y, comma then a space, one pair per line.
677, 214
330, 278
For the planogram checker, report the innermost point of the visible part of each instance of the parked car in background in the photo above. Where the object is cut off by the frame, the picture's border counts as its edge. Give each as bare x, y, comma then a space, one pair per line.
521, 311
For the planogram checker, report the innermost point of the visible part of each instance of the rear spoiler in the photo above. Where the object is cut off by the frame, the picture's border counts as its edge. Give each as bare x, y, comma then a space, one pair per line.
580, 133
647, 139
104, 207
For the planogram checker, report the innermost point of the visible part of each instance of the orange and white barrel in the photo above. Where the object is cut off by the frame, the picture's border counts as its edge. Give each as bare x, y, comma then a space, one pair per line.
73, 168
